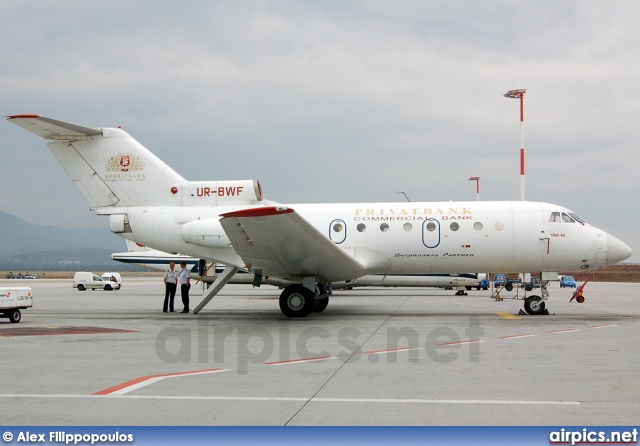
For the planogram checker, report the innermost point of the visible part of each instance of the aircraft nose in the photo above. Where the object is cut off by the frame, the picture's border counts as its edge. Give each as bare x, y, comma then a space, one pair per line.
618, 250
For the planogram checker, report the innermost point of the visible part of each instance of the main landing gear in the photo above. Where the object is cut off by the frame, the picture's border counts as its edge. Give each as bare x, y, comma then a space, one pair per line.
299, 301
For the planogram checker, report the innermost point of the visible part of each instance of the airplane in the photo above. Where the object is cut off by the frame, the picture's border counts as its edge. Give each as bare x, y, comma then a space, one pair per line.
205, 272
314, 245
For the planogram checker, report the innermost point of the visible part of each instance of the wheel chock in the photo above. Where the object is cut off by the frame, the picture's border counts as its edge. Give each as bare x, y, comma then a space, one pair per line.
522, 313
545, 312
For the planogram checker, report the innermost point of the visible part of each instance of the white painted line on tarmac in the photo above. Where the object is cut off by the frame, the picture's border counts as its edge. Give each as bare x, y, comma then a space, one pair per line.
568, 330
293, 399
390, 350
135, 386
428, 401
470, 341
297, 361
517, 336
142, 381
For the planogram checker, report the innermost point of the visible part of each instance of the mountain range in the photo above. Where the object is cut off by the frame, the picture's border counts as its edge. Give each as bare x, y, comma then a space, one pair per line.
25, 246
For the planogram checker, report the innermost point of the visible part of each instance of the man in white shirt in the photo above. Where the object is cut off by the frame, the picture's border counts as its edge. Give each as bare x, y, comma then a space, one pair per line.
185, 284
170, 284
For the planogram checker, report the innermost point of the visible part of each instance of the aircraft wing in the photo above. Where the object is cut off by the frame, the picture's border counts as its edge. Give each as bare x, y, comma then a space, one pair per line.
276, 241
52, 129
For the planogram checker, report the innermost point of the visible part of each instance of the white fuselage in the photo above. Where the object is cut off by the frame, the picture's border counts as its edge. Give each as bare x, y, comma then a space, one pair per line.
412, 238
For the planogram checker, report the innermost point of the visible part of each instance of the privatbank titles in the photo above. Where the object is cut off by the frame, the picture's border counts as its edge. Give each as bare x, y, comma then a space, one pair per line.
412, 214
124, 167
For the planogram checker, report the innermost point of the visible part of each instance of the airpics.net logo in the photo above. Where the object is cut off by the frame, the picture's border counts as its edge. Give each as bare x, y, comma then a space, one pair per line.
210, 343
591, 436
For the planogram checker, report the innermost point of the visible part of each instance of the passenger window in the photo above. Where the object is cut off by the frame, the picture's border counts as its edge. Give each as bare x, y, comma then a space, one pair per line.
454, 226
384, 227
362, 227
431, 226
407, 227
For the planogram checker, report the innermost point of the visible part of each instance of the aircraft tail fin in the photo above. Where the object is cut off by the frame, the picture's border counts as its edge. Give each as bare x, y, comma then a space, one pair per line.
108, 166
135, 247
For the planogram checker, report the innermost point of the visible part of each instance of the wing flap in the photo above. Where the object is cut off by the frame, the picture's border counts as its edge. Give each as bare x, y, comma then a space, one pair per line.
53, 129
276, 241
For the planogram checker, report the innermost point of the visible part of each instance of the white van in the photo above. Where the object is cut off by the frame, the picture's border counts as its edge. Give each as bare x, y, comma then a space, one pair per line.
83, 280
113, 277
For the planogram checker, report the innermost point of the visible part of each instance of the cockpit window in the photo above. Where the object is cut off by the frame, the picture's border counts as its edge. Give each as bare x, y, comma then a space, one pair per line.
565, 217
577, 218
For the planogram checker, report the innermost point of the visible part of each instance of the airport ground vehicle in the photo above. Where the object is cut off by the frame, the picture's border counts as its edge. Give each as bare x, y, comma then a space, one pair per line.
482, 284
113, 277
499, 280
83, 280
10, 275
14, 299
510, 283
567, 282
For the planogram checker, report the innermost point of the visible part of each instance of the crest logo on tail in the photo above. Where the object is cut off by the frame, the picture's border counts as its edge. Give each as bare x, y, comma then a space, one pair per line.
125, 167
124, 162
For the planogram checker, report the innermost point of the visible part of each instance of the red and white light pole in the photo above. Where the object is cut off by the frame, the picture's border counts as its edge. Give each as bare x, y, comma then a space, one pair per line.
519, 94
477, 180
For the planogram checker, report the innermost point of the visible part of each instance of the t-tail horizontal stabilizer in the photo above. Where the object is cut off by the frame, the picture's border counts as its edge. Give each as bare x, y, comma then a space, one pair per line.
107, 165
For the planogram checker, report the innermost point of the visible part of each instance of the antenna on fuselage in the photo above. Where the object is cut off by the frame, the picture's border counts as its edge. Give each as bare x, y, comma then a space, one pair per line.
405, 196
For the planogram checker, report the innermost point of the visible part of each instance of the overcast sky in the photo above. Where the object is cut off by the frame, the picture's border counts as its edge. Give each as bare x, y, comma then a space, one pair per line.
335, 101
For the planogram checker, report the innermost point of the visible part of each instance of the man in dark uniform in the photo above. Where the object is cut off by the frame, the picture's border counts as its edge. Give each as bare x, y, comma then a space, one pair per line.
185, 283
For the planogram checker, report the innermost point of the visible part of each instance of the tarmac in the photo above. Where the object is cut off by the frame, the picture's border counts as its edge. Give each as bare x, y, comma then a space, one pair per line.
375, 356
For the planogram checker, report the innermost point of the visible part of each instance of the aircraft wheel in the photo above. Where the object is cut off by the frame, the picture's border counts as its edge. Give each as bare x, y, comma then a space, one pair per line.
534, 305
80, 287
320, 305
580, 299
15, 316
297, 301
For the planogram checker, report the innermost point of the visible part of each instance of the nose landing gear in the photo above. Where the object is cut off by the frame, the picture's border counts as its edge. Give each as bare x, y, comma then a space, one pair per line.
534, 305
